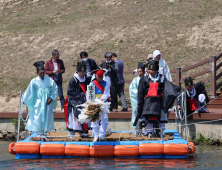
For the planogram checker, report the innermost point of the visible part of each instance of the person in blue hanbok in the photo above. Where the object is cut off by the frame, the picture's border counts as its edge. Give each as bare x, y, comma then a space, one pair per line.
40, 98
133, 91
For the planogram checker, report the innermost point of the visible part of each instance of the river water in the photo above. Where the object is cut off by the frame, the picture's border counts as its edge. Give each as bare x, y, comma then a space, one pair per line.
205, 157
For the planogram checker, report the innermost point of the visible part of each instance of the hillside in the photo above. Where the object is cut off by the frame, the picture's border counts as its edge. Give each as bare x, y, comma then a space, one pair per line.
186, 32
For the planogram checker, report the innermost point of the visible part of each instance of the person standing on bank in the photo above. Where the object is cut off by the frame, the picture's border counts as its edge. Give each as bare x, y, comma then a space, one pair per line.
55, 68
111, 71
163, 67
133, 92
90, 65
121, 81
40, 98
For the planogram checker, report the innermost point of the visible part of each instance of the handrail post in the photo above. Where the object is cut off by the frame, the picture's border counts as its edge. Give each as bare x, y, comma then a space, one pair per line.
178, 76
213, 86
185, 108
18, 131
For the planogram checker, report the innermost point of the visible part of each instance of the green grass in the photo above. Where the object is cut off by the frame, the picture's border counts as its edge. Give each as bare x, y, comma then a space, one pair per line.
202, 139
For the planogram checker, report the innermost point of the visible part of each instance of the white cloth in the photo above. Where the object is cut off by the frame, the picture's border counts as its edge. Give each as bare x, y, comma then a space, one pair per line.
163, 67
73, 122
103, 124
77, 76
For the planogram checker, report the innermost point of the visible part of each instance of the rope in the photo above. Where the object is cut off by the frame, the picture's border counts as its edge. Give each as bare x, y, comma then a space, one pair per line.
21, 111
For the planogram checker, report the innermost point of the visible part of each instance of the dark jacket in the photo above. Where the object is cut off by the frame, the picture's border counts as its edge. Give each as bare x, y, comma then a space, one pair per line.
49, 68
92, 64
76, 95
151, 106
112, 73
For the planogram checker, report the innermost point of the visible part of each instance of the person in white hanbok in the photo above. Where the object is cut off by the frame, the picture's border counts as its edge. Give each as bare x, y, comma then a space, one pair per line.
102, 91
163, 67
133, 91
40, 98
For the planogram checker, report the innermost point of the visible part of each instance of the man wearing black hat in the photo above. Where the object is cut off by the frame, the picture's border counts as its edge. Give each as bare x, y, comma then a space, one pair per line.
155, 96
196, 97
76, 95
40, 98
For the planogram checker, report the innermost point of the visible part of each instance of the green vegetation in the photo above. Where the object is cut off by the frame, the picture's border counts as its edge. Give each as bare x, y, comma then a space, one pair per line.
15, 123
202, 139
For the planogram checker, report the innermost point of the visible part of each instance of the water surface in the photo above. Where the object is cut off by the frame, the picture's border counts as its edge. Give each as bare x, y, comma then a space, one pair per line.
205, 157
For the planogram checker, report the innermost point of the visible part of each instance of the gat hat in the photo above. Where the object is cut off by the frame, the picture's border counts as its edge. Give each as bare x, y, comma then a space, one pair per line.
81, 66
154, 65
39, 65
141, 66
188, 81
99, 72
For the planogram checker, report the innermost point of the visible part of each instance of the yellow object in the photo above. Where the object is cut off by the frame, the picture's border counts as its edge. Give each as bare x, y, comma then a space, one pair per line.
98, 95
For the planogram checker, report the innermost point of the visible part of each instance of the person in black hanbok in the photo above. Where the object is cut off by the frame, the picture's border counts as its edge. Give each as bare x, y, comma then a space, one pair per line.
76, 95
155, 94
196, 97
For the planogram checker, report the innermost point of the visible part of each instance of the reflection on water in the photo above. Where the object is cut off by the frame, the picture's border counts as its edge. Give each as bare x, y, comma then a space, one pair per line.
206, 157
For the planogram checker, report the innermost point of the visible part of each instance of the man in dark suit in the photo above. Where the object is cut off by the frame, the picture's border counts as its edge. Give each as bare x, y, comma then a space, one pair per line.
90, 65
111, 68
55, 68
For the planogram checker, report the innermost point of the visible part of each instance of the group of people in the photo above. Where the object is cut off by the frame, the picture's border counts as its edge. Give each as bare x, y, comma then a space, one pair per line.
151, 93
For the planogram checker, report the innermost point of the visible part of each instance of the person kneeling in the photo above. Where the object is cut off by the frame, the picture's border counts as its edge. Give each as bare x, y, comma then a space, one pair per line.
76, 96
197, 98
102, 90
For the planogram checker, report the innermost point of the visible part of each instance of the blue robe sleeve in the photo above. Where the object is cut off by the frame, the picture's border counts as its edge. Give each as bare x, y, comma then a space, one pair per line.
133, 91
29, 95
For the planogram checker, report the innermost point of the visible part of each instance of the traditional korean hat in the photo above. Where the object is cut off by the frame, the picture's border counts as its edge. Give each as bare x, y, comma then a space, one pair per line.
39, 65
154, 65
141, 66
81, 66
188, 81
99, 72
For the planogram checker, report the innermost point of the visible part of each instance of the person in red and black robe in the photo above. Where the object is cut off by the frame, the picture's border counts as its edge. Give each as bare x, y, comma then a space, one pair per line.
76, 95
197, 98
155, 93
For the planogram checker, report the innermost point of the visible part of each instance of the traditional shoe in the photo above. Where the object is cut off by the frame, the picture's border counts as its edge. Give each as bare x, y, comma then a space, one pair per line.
124, 110
150, 135
101, 139
96, 139
71, 137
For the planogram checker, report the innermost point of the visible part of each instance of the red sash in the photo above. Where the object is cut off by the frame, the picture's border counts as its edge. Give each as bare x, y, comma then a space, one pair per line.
152, 92
193, 104
152, 118
83, 87
100, 87
66, 110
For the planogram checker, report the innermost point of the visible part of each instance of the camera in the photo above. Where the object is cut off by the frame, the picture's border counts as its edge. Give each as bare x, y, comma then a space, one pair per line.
107, 65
